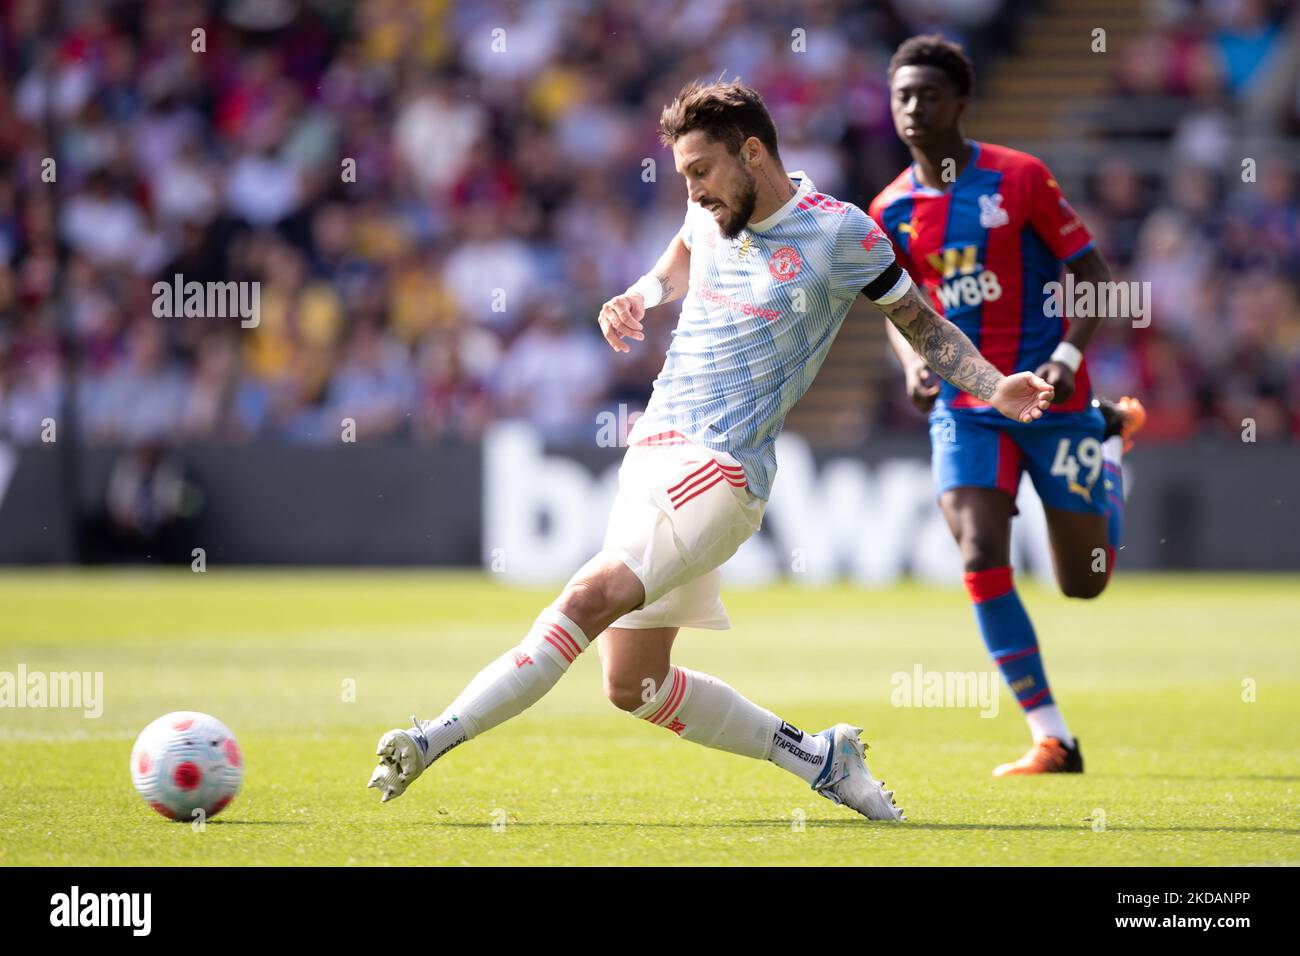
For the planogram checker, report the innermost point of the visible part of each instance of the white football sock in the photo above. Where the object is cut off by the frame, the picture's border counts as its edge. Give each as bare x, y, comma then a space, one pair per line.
804, 755
509, 685
1046, 721
710, 712
1112, 450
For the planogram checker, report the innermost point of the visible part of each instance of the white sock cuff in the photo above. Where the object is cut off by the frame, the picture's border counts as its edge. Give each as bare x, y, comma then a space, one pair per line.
668, 701
1112, 450
554, 635
1047, 721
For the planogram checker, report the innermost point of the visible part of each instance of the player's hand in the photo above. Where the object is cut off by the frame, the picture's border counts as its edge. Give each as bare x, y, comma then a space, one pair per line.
922, 385
1022, 397
620, 318
1059, 376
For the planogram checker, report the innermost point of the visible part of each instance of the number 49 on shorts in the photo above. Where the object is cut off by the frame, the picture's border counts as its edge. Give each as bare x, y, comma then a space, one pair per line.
1087, 456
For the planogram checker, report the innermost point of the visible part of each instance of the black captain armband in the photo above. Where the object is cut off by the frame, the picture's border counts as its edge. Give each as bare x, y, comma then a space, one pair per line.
882, 283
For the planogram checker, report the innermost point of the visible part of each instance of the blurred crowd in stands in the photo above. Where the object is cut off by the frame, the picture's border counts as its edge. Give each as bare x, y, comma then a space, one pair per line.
436, 197
1216, 230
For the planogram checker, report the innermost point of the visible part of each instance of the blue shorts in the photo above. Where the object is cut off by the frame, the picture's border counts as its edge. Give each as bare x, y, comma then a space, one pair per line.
1061, 451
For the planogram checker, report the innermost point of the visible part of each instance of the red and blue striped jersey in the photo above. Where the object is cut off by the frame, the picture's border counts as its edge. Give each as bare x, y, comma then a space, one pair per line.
985, 250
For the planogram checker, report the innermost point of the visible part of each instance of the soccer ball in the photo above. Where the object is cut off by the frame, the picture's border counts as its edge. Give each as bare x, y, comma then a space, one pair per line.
184, 762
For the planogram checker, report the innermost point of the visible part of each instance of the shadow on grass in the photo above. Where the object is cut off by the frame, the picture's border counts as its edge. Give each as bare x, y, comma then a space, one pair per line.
844, 824
1281, 778
259, 823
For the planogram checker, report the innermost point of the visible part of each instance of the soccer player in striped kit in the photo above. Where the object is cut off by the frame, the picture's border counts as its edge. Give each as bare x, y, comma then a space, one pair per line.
768, 267
985, 243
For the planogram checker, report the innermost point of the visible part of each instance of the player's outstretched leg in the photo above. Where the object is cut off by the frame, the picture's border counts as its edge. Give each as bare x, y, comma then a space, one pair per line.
1085, 543
598, 594
1009, 636
980, 521
640, 679
1084, 547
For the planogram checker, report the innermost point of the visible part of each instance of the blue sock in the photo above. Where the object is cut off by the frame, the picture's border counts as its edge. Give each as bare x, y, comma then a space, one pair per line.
1009, 635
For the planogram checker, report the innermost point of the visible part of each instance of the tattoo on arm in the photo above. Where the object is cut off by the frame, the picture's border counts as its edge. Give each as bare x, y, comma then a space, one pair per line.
673, 270
665, 280
945, 348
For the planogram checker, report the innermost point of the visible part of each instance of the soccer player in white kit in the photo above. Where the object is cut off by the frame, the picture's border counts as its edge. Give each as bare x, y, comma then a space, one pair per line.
769, 266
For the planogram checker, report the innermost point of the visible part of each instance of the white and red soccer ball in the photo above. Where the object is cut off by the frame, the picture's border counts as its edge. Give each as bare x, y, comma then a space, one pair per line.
184, 762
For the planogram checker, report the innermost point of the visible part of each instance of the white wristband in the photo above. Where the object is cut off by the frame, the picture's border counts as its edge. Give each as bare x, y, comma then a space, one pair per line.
1068, 355
649, 288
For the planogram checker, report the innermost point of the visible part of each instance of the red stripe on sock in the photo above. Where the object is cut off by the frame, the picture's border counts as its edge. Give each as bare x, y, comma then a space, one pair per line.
1035, 700
565, 638
564, 651
988, 584
674, 698
1015, 655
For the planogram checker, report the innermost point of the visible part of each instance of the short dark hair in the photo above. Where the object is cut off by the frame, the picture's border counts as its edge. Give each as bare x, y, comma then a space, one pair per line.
728, 112
933, 50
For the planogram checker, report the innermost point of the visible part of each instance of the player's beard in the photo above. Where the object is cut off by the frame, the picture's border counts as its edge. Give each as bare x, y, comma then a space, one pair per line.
738, 217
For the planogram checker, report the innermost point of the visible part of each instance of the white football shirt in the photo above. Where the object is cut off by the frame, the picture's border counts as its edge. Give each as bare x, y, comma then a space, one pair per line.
759, 316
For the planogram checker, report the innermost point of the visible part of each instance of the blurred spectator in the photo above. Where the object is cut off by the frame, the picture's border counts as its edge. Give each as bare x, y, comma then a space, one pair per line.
373, 385
138, 399
435, 198
553, 377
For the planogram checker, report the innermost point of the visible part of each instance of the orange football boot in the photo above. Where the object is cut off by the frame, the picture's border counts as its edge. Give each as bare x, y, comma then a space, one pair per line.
1124, 418
1047, 755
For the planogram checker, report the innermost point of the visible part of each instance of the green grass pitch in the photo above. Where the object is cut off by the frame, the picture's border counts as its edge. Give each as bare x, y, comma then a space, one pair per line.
1181, 769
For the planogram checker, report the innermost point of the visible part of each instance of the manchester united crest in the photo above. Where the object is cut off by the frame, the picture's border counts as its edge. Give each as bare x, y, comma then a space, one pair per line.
784, 264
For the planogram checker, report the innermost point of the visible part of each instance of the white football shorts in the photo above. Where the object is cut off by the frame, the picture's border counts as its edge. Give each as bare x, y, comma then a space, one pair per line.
680, 513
